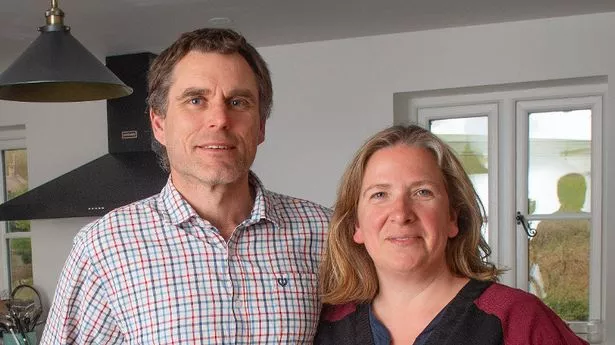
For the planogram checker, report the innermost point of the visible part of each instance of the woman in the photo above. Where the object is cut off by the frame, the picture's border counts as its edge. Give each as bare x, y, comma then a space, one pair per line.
405, 257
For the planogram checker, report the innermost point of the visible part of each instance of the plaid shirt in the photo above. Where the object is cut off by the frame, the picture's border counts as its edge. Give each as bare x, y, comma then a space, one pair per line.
154, 272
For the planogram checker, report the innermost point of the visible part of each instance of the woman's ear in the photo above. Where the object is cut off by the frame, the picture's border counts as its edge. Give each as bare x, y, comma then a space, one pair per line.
358, 235
454, 225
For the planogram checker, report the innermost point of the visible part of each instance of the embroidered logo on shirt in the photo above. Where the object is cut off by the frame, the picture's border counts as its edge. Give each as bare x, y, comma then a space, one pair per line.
282, 281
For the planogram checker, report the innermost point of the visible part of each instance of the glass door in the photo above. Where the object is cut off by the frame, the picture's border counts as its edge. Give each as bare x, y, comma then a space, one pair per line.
559, 236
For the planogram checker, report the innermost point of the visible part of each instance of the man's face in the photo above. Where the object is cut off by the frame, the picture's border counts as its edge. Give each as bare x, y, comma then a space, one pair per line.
212, 126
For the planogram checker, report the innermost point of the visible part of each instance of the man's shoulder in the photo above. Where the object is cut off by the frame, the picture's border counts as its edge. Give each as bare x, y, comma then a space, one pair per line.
127, 218
290, 207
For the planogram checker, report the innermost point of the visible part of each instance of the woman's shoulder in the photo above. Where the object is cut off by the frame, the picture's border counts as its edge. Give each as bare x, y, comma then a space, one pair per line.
505, 295
507, 302
337, 312
532, 320
344, 324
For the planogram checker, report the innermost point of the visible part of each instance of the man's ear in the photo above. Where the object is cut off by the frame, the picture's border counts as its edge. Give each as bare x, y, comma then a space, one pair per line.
261, 130
157, 122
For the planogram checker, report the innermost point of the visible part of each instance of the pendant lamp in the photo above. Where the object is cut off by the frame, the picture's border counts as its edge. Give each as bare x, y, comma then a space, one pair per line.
57, 68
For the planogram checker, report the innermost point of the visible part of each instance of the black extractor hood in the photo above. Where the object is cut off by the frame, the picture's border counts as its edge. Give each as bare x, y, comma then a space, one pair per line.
128, 173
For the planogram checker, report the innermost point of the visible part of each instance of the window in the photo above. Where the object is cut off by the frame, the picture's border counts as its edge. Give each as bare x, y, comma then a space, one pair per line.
534, 154
16, 248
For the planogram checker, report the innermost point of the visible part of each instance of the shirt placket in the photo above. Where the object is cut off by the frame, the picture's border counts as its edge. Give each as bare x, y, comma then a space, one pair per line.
226, 321
230, 319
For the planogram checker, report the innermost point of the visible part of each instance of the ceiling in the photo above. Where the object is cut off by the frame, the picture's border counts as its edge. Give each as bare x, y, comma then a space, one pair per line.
108, 27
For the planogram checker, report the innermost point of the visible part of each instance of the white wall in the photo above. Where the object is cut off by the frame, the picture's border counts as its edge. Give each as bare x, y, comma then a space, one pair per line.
331, 95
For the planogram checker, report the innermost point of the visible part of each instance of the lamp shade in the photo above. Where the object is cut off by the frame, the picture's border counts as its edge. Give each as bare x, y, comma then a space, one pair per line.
57, 68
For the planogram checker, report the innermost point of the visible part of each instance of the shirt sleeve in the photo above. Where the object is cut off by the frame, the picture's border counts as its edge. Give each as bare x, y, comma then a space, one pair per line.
80, 312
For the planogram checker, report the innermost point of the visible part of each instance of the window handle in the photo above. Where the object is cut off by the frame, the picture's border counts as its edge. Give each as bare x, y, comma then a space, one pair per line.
526, 225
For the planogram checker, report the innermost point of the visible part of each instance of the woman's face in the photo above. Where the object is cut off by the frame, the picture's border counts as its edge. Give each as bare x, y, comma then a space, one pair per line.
404, 219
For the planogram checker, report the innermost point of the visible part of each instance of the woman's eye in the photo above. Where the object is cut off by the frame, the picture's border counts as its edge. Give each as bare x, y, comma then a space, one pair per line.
377, 195
424, 193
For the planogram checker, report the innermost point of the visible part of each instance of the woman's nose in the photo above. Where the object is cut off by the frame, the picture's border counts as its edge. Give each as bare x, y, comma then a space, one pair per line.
402, 211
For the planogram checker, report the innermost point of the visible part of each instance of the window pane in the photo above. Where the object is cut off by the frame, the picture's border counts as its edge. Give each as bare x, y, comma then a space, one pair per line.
559, 266
20, 261
559, 161
559, 174
16, 182
468, 138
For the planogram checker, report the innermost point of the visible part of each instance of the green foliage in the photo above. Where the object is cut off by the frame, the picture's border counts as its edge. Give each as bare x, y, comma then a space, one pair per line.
561, 249
569, 309
23, 248
19, 226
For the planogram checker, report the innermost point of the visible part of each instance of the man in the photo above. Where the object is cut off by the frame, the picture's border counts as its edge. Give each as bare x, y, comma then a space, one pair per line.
214, 258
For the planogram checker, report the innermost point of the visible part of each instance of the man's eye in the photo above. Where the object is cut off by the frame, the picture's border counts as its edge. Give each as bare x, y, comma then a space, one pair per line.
238, 103
196, 101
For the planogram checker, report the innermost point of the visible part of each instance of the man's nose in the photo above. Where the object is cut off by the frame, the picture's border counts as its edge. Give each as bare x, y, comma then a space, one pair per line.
218, 116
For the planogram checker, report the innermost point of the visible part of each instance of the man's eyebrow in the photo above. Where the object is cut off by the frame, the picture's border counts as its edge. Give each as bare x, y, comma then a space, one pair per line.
192, 92
242, 93
197, 91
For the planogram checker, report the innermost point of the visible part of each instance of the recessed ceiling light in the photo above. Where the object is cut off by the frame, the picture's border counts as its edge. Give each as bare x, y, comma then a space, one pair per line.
220, 21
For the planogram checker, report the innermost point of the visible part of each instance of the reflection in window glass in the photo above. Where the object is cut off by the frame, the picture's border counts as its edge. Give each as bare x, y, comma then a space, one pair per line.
468, 138
15, 179
559, 174
554, 152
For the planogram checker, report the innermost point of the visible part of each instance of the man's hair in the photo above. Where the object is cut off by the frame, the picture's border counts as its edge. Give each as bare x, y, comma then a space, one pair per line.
206, 40
348, 274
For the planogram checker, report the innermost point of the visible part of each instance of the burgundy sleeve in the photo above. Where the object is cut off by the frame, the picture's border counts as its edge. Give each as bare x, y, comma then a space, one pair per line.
337, 312
525, 319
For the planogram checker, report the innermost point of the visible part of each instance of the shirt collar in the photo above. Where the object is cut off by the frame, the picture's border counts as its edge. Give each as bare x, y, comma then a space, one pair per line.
179, 210
264, 204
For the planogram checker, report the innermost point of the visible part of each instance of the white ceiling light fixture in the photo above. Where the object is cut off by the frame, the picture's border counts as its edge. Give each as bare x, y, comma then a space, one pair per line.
220, 21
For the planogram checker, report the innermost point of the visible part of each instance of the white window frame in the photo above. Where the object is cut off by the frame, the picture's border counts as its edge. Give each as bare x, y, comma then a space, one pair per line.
508, 242
11, 137
427, 114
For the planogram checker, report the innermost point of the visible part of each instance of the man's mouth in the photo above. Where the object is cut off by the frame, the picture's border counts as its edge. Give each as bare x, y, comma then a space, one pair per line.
217, 147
